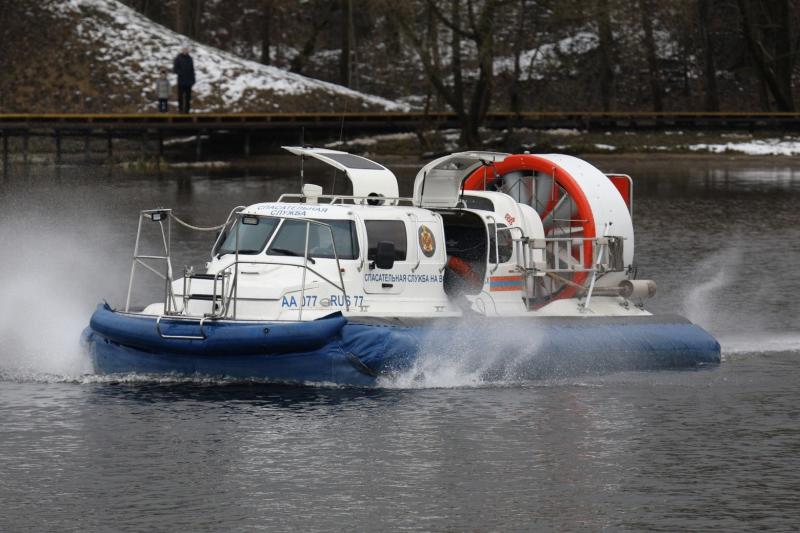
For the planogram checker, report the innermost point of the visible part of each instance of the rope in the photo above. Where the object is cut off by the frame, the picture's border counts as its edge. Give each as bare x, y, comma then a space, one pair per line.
196, 228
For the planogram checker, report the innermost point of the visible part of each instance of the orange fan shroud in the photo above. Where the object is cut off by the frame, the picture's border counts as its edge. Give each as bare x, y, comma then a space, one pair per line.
562, 179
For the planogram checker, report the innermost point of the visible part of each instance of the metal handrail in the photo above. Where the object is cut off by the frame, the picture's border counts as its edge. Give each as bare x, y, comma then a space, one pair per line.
398, 199
235, 210
496, 240
139, 259
200, 337
227, 298
497, 231
339, 197
235, 264
553, 248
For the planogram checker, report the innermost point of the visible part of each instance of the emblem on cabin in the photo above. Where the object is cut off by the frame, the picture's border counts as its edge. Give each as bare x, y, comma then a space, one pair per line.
426, 241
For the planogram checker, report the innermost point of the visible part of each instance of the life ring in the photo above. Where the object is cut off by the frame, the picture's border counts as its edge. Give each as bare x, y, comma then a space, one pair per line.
563, 185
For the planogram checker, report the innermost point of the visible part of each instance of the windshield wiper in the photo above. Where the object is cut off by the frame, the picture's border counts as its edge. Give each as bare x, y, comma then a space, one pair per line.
241, 251
284, 251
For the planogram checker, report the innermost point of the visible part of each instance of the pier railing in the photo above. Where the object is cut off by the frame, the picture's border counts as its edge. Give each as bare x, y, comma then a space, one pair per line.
250, 128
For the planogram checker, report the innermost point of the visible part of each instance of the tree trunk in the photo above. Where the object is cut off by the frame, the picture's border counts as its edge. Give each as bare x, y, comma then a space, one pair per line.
182, 16
347, 32
709, 65
482, 92
472, 116
145, 8
455, 50
298, 62
646, 12
785, 47
197, 19
773, 51
432, 43
266, 30
188, 17
606, 45
514, 97
480, 100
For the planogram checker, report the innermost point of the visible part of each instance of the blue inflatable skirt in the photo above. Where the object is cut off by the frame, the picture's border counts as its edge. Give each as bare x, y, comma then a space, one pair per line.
361, 352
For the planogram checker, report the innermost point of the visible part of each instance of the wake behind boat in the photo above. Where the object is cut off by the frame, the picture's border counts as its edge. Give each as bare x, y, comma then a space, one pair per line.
526, 256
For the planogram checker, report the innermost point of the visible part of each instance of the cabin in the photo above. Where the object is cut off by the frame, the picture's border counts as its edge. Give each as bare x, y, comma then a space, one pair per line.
469, 241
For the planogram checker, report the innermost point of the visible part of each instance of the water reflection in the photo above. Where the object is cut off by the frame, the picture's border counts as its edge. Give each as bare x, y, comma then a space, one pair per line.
665, 450
222, 394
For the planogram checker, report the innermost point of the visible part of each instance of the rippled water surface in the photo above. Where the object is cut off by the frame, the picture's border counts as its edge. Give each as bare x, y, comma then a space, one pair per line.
710, 449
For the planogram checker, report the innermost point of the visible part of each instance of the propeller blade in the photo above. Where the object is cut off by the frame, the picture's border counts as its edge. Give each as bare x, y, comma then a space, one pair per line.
543, 192
566, 231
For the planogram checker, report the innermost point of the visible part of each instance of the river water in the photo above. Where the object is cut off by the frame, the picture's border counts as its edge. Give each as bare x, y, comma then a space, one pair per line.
710, 449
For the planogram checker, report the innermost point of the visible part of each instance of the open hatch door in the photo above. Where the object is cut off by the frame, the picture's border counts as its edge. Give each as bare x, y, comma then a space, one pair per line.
367, 177
438, 184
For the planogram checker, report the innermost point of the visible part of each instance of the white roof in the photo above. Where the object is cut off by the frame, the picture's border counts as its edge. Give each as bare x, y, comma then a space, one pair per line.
367, 176
298, 210
335, 212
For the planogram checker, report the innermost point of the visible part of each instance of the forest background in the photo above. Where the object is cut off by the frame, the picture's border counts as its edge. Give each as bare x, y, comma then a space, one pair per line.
467, 56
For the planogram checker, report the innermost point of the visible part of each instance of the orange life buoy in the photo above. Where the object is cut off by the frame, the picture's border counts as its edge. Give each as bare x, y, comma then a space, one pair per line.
584, 218
463, 269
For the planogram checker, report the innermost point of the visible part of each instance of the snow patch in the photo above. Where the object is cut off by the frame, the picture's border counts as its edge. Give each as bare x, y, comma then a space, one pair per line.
755, 147
607, 147
182, 140
536, 62
372, 140
136, 49
564, 132
201, 164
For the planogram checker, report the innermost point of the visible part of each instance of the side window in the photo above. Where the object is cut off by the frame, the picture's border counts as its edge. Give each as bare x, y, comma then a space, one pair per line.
505, 243
386, 230
478, 202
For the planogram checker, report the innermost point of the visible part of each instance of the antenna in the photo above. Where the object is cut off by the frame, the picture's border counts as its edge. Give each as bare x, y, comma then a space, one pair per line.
302, 157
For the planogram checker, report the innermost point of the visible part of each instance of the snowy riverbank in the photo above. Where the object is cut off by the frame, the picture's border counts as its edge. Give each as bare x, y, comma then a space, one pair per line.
581, 142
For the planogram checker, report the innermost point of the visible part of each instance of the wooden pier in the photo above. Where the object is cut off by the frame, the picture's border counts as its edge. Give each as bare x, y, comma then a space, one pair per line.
286, 127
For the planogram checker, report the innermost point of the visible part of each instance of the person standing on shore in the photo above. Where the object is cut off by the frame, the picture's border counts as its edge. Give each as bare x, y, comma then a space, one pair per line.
184, 68
162, 91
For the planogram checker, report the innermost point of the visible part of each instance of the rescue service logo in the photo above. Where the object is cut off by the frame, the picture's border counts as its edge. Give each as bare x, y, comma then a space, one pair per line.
426, 241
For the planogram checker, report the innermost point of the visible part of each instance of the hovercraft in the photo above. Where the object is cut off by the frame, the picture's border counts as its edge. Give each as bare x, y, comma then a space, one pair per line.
520, 255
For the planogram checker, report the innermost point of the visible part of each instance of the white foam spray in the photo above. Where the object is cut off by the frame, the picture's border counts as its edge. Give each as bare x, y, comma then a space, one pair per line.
505, 356
700, 305
706, 304
759, 343
52, 281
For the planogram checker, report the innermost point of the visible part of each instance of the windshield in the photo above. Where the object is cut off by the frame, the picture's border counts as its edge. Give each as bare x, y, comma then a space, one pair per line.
291, 239
252, 237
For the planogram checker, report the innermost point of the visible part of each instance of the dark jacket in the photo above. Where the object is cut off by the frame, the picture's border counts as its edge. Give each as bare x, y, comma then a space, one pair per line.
184, 68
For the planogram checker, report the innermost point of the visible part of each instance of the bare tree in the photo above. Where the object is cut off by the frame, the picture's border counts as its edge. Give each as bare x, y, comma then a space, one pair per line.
478, 28
767, 27
709, 64
320, 18
606, 49
514, 89
646, 12
189, 17
267, 13
345, 71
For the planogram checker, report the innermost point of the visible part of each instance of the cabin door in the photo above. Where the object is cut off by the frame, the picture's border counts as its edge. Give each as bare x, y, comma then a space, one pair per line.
390, 280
